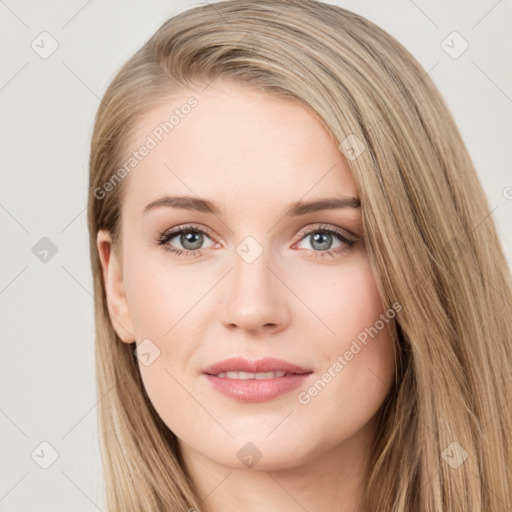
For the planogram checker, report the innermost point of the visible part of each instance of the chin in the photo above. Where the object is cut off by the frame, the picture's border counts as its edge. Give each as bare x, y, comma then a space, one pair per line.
257, 453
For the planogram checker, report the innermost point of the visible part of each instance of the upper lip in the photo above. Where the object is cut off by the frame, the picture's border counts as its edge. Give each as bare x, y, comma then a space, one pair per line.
267, 364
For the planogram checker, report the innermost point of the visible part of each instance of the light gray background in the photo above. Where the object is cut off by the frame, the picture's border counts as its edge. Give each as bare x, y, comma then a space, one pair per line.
47, 109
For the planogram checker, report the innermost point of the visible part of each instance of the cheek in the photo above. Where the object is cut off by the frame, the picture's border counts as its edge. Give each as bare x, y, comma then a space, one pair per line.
160, 295
357, 360
363, 329
165, 305
346, 300
159, 315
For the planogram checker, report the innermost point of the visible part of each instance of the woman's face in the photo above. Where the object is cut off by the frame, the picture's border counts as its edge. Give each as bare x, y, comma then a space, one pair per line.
257, 274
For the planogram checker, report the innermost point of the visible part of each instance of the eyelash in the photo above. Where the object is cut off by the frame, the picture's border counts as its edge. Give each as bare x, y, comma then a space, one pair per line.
168, 235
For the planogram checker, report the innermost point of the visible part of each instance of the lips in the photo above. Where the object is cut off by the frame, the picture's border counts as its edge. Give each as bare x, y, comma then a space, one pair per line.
267, 364
255, 381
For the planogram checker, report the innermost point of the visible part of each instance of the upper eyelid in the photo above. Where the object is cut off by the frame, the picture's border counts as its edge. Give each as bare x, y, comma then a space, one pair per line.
179, 229
330, 229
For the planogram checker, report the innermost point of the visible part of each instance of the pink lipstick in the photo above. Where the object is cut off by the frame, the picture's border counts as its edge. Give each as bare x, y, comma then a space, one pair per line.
255, 381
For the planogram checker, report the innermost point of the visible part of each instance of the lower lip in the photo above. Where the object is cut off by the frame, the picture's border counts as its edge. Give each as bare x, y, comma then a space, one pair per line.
255, 390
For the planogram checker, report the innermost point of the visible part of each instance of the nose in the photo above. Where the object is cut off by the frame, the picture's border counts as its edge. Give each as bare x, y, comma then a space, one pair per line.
256, 300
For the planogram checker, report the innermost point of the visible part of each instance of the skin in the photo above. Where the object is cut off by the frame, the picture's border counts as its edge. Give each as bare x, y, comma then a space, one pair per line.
254, 155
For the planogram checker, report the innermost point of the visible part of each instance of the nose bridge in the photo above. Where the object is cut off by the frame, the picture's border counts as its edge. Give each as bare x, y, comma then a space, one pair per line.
254, 299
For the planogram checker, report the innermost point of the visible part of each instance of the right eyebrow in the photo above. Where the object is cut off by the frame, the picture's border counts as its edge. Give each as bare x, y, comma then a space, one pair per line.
184, 202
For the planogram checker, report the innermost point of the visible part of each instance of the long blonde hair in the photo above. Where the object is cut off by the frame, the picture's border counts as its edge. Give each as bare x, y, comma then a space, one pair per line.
430, 238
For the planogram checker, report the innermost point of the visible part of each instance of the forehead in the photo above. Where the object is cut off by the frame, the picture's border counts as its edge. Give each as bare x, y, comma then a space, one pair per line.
236, 141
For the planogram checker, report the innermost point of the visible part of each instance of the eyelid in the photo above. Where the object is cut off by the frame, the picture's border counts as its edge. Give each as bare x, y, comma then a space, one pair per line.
186, 227
345, 233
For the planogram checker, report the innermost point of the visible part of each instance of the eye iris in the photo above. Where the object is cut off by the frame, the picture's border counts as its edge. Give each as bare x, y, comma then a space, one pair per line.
196, 239
321, 238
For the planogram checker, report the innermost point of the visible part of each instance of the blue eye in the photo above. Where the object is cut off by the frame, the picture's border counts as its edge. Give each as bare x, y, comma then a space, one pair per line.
191, 239
321, 239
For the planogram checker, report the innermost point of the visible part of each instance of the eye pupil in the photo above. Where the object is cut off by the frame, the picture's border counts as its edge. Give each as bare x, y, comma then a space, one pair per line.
192, 237
323, 239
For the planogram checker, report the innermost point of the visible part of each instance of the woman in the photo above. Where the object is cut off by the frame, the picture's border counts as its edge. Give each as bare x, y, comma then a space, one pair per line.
302, 302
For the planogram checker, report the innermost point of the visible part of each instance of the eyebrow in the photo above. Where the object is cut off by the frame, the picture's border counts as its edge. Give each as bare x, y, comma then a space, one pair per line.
295, 210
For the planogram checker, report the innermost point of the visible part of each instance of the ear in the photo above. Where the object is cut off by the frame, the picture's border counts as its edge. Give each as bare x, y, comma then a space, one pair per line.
114, 288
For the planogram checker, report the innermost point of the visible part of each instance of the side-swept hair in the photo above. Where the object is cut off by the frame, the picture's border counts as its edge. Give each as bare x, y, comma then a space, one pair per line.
430, 237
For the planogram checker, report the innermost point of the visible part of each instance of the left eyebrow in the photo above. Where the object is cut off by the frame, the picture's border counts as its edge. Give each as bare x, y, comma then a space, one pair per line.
295, 210
302, 208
